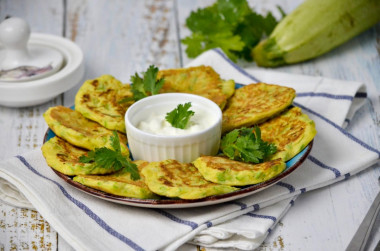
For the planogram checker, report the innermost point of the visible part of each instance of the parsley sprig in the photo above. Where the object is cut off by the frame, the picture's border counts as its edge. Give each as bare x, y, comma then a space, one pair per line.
230, 25
246, 145
108, 158
180, 116
146, 85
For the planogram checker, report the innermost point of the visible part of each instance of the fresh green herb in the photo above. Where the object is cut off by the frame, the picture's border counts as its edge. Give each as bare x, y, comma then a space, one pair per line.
230, 25
180, 116
108, 158
145, 86
245, 144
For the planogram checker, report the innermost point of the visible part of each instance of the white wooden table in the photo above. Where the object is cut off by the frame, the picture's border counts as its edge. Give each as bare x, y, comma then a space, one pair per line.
120, 37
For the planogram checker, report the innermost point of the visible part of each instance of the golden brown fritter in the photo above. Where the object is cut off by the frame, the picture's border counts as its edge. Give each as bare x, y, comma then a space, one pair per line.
291, 132
64, 157
171, 178
225, 171
119, 183
255, 103
100, 100
200, 80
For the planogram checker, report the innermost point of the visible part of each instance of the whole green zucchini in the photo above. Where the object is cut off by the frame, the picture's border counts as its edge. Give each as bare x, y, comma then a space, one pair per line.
315, 27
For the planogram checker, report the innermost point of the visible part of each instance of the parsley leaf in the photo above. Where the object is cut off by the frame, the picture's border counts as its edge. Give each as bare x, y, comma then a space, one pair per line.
246, 145
108, 158
147, 85
151, 84
230, 25
198, 43
180, 116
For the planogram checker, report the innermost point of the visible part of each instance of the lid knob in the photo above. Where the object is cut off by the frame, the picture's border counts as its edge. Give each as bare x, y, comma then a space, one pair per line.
14, 35
20, 61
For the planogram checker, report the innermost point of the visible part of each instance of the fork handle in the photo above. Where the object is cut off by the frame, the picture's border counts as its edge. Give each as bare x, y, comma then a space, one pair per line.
360, 238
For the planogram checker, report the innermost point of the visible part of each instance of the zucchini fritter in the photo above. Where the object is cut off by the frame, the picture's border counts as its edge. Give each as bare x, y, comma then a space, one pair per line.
99, 100
225, 171
200, 80
64, 157
291, 132
119, 183
171, 178
255, 103
79, 131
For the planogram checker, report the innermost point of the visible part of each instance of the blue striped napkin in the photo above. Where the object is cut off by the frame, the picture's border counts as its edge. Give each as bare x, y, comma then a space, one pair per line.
88, 223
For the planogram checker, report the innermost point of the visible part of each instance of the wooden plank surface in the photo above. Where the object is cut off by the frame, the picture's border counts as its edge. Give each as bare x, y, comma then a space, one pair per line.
22, 130
121, 37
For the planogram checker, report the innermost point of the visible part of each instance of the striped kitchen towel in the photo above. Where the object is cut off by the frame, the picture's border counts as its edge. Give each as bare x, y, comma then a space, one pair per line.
89, 223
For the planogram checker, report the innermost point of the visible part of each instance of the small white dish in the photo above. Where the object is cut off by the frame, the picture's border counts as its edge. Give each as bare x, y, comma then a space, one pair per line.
39, 91
184, 148
35, 68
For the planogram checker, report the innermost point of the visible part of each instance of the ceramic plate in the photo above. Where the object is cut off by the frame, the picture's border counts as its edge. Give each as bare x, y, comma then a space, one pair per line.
291, 165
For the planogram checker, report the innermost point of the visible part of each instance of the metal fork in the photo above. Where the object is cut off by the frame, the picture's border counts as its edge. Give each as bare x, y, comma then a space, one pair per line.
360, 238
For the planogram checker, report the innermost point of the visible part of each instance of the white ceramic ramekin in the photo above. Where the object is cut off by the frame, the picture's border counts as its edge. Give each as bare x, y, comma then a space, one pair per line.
184, 148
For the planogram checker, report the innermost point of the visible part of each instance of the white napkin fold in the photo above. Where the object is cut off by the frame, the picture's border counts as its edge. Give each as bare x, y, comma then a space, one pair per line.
89, 223
247, 231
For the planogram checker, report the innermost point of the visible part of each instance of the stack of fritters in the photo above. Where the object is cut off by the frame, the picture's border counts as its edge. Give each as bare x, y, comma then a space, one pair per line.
79, 131
291, 132
98, 111
75, 136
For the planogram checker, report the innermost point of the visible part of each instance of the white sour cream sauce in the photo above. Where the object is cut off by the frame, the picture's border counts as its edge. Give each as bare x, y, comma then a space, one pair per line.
156, 123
